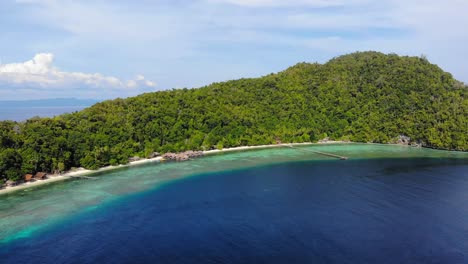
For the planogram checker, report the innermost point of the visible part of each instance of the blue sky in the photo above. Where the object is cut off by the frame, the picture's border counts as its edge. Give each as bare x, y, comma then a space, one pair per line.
115, 48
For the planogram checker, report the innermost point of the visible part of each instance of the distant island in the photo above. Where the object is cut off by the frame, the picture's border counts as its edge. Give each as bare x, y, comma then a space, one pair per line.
20, 110
47, 102
360, 97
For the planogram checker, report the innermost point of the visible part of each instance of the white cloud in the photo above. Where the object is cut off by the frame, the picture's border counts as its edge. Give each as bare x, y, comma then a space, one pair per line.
197, 42
40, 71
131, 84
339, 21
150, 83
284, 3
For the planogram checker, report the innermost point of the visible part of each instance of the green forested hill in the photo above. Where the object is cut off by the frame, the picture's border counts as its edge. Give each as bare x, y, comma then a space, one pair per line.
364, 97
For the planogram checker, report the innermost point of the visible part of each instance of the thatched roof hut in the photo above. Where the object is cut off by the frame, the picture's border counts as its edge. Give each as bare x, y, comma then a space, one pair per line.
28, 177
40, 176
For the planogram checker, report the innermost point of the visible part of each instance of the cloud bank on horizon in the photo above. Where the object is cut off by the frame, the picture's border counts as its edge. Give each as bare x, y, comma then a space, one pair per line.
39, 75
40, 71
114, 48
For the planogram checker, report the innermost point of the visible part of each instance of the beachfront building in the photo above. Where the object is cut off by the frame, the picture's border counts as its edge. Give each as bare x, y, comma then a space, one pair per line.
28, 177
40, 176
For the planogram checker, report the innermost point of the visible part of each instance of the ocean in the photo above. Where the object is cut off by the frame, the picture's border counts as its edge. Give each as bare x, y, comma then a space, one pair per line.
23, 113
385, 204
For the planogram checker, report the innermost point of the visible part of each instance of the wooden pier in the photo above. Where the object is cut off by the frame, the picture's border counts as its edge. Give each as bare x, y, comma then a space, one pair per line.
84, 177
321, 153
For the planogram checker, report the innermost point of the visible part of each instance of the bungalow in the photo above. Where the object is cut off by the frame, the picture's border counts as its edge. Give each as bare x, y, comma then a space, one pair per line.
28, 177
40, 176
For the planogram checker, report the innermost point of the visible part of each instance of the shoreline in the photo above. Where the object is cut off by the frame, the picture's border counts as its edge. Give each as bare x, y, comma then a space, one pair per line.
84, 172
72, 174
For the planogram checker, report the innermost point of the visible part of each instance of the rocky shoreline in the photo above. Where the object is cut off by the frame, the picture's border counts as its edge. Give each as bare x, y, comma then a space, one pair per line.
187, 155
154, 157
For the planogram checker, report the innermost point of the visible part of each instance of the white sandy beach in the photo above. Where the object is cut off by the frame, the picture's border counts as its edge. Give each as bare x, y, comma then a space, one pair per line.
82, 172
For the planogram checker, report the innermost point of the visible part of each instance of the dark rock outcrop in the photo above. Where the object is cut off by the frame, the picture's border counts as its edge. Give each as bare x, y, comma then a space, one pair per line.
187, 155
154, 155
402, 140
135, 158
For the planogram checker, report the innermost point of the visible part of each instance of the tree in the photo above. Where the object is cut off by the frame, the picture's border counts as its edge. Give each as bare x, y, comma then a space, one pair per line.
363, 96
10, 164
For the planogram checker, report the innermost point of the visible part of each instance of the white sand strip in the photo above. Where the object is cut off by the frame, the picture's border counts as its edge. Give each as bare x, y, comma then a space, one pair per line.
81, 171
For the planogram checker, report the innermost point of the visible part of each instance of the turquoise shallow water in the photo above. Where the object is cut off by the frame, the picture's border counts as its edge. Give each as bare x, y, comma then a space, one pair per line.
32, 211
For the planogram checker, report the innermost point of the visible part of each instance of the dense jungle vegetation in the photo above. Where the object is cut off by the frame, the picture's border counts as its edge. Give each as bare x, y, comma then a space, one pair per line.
362, 97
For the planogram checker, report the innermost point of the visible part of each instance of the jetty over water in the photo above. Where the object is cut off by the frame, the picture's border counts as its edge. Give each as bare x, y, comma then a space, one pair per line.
321, 153
84, 177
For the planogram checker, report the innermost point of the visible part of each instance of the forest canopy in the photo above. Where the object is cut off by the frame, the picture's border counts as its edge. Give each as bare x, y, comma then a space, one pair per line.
362, 97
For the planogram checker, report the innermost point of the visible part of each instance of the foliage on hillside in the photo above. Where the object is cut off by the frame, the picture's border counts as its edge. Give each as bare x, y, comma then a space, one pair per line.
363, 97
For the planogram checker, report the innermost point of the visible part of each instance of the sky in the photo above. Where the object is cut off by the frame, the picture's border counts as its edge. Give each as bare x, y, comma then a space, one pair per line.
106, 49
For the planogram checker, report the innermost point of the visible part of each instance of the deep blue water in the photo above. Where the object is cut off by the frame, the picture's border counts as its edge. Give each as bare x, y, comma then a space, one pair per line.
357, 211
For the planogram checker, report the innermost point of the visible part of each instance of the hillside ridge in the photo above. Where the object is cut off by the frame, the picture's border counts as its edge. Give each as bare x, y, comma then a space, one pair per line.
361, 97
